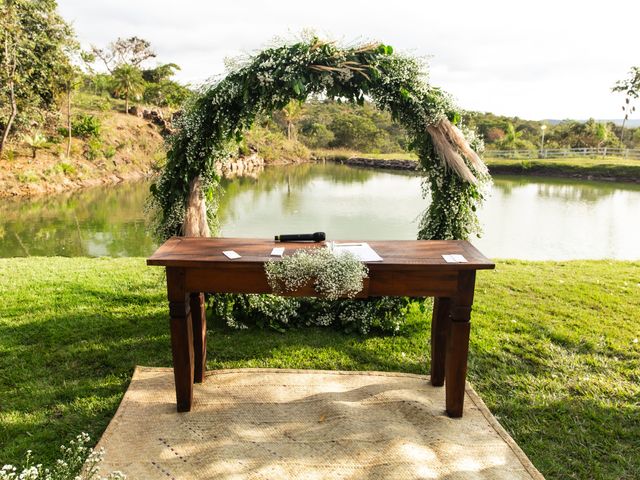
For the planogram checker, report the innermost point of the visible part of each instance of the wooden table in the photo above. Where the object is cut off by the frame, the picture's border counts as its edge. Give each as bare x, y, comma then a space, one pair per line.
413, 268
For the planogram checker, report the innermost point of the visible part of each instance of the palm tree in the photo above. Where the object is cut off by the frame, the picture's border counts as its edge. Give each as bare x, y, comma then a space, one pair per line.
292, 113
511, 137
128, 81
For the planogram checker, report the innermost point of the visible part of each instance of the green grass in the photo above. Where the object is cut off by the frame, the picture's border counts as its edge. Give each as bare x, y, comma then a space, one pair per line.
619, 169
343, 154
554, 354
609, 168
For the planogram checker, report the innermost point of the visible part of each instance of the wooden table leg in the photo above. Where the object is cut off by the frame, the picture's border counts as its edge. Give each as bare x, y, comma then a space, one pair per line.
458, 343
181, 338
199, 321
439, 329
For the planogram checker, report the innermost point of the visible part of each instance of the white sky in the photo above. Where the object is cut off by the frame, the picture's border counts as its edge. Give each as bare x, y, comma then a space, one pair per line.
545, 59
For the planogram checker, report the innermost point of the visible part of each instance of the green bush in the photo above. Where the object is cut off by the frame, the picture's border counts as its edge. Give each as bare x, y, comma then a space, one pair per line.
28, 176
86, 126
66, 168
109, 151
93, 149
383, 314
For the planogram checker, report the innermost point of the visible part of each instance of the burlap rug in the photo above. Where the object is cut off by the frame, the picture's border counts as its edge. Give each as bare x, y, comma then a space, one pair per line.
279, 424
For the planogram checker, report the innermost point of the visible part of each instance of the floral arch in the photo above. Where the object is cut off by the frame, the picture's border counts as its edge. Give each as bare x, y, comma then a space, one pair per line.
214, 121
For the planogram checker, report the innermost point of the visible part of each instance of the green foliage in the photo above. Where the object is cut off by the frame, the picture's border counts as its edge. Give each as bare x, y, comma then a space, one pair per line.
318, 135
27, 176
362, 128
166, 93
380, 315
526, 134
66, 168
128, 83
271, 144
215, 120
93, 149
109, 151
85, 126
160, 73
35, 141
631, 89
34, 39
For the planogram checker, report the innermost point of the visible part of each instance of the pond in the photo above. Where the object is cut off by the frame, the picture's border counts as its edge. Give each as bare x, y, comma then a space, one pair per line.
526, 218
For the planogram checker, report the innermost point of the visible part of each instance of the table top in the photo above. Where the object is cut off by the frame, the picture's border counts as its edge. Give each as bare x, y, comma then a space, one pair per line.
197, 252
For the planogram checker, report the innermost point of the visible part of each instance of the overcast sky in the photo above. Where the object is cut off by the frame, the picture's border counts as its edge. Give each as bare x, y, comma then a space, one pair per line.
544, 59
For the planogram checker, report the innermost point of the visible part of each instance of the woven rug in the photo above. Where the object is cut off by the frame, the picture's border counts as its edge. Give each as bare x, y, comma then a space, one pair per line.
280, 424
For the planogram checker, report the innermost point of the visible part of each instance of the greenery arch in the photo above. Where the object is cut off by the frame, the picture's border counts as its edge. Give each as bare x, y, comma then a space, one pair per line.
214, 121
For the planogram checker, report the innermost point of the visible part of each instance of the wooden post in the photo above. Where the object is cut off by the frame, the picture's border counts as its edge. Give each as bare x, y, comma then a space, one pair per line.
199, 321
440, 325
458, 343
181, 337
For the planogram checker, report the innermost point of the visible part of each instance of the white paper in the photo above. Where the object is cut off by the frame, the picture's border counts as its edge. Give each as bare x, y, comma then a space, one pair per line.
454, 258
277, 252
230, 254
361, 250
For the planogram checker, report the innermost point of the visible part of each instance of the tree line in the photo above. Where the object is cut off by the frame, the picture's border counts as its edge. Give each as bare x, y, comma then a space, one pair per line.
42, 66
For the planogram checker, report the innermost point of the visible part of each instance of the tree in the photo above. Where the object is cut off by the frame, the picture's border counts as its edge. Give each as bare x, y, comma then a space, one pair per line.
160, 73
8, 26
631, 88
33, 38
131, 51
128, 82
161, 90
291, 113
71, 78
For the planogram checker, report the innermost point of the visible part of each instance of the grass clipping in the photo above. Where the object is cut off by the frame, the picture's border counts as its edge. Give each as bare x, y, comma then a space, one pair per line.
333, 276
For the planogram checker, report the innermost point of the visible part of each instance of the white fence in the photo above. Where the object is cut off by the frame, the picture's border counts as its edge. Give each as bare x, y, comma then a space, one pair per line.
630, 153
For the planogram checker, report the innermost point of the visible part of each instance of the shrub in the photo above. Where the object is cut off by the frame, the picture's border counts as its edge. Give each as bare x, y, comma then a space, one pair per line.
66, 168
383, 314
109, 151
28, 176
93, 149
85, 126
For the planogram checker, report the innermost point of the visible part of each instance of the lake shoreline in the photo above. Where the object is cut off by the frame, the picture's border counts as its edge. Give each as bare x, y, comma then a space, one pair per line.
602, 173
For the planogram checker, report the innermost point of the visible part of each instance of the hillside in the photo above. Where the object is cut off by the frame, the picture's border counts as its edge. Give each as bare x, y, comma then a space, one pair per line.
123, 147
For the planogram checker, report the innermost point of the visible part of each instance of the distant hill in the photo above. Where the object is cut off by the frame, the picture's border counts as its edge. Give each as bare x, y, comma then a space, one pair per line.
632, 123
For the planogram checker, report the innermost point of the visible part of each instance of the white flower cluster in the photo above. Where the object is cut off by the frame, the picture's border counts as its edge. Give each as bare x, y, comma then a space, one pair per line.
78, 462
333, 276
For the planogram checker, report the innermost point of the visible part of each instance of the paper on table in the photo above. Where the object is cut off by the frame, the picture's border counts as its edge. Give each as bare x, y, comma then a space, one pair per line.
361, 250
454, 258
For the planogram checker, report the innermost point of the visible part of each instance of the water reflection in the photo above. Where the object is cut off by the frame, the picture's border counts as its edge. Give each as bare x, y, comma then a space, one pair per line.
95, 222
532, 218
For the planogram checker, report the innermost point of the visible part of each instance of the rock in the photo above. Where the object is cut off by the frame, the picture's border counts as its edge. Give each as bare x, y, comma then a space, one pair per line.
135, 110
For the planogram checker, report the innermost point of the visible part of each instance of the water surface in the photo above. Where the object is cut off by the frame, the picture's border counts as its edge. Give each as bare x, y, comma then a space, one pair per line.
527, 218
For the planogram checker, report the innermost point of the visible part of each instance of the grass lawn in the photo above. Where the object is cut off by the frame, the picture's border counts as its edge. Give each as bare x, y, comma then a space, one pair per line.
620, 169
555, 354
615, 168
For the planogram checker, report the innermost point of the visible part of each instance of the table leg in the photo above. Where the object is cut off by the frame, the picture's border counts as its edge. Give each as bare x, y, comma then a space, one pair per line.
199, 321
439, 329
181, 338
458, 343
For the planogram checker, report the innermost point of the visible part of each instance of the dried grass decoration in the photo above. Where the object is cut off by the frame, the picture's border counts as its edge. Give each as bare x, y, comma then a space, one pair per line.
332, 275
186, 195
